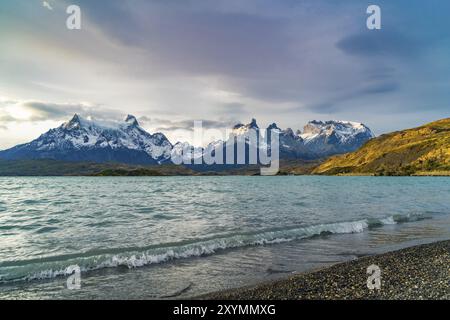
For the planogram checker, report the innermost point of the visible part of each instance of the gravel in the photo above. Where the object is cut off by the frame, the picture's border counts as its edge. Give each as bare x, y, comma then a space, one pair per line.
419, 272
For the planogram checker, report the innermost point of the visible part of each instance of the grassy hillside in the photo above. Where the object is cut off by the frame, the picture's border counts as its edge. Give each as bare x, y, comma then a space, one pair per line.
419, 151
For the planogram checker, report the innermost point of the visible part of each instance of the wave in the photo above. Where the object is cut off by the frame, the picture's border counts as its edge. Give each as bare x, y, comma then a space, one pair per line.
51, 267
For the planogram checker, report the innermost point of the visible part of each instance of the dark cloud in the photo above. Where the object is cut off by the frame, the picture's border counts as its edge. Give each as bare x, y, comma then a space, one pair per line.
258, 54
192, 37
281, 59
342, 101
379, 43
380, 88
42, 111
233, 109
50, 111
4, 119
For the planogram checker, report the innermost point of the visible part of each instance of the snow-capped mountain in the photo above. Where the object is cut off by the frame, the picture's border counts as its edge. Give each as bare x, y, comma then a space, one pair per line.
325, 138
241, 129
318, 140
126, 142
85, 140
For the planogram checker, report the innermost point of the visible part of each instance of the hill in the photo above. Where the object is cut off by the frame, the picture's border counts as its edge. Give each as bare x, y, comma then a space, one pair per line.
419, 151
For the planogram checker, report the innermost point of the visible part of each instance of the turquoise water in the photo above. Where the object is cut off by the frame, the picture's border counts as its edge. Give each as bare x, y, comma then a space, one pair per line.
158, 237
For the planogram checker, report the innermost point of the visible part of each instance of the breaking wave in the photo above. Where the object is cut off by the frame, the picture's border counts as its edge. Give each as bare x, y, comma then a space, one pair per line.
51, 267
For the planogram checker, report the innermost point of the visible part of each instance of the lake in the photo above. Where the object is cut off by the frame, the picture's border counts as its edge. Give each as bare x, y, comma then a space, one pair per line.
167, 237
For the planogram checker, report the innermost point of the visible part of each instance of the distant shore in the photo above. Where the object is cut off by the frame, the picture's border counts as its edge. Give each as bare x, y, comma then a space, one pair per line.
419, 272
55, 168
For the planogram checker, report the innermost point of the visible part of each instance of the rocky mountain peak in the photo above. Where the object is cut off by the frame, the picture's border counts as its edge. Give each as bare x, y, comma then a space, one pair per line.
74, 123
131, 120
273, 126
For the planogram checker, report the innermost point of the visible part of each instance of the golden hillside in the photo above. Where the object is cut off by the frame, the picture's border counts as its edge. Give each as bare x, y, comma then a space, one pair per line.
422, 150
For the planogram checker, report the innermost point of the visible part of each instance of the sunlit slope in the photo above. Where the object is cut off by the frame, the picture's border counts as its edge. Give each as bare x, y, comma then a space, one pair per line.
422, 150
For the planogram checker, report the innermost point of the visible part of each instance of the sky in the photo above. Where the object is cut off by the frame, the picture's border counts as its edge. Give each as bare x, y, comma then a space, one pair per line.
170, 62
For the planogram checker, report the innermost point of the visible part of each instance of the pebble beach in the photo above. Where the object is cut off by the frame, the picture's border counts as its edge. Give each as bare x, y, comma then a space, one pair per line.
419, 272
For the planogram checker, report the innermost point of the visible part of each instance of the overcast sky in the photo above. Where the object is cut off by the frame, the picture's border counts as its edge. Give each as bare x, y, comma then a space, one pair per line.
170, 62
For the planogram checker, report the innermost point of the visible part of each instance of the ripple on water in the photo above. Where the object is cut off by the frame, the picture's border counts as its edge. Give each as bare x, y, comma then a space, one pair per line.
105, 223
145, 210
34, 201
161, 216
61, 202
7, 227
46, 230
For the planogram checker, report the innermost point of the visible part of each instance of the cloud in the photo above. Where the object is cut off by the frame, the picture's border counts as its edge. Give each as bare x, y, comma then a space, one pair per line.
159, 124
194, 38
232, 108
49, 111
380, 88
379, 43
4, 120
35, 111
342, 101
280, 60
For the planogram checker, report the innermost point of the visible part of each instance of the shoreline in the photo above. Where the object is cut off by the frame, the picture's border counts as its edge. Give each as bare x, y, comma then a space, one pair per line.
417, 272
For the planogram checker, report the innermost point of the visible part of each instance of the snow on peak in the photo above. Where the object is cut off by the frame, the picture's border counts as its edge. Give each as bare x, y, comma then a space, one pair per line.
273, 126
80, 133
73, 123
77, 122
344, 130
84, 138
243, 128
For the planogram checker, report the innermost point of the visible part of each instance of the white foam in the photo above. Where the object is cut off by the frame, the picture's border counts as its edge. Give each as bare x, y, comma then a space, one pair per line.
204, 247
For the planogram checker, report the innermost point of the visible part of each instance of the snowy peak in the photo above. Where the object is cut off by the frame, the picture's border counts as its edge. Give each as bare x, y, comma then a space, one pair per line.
131, 120
77, 123
253, 124
243, 128
83, 139
325, 138
289, 132
320, 126
74, 123
343, 130
273, 126
318, 140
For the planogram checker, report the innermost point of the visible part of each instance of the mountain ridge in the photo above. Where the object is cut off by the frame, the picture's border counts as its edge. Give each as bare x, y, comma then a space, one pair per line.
421, 150
84, 139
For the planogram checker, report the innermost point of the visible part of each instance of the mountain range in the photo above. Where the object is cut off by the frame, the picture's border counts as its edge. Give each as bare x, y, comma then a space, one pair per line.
127, 142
